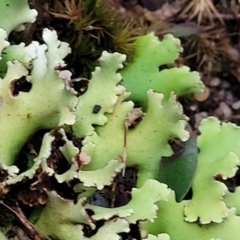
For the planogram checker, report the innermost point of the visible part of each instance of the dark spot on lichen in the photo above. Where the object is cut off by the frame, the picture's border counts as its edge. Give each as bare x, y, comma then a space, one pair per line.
96, 109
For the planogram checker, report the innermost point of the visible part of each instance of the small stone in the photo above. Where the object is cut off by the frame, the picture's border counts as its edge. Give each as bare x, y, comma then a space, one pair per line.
229, 96
215, 81
198, 118
236, 105
221, 95
226, 85
224, 110
193, 107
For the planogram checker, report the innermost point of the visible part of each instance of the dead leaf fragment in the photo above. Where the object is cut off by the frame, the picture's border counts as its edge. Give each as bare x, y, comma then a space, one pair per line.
134, 116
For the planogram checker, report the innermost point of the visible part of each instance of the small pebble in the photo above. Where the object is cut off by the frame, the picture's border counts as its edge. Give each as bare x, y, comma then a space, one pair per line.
215, 81
193, 107
229, 98
221, 95
198, 118
236, 105
224, 110
226, 85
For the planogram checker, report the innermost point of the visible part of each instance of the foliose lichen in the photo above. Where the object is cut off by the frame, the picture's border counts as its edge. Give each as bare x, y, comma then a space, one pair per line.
103, 118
